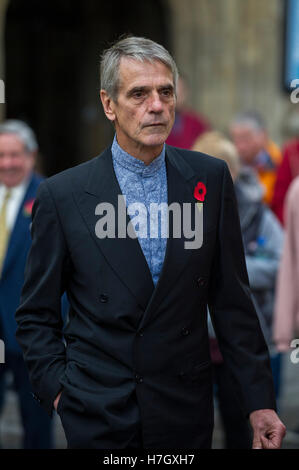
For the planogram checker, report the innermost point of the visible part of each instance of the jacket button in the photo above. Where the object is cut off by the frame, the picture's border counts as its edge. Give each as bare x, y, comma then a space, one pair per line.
104, 298
35, 397
201, 281
185, 332
140, 333
138, 379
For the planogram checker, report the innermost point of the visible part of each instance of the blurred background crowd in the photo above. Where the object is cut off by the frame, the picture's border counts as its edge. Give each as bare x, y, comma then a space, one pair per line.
237, 60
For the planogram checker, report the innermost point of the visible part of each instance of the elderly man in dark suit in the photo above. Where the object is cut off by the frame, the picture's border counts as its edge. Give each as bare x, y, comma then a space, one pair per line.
134, 368
18, 186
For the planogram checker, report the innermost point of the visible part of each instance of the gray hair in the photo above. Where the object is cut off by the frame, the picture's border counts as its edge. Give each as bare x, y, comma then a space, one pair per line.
22, 131
251, 119
136, 48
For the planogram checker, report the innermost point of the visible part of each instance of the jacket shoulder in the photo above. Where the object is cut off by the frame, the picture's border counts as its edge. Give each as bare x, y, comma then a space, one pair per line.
79, 170
75, 176
36, 178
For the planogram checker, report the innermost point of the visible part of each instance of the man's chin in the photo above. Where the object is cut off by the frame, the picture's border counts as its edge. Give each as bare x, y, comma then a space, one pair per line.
10, 182
155, 140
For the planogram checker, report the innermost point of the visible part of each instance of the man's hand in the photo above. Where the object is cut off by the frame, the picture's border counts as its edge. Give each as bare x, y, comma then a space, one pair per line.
268, 430
56, 401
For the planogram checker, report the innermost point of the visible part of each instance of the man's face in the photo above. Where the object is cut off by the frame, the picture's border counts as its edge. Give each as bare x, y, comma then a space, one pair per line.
249, 142
145, 107
15, 163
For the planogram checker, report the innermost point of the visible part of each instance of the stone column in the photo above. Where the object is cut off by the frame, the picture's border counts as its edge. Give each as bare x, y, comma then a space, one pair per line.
232, 53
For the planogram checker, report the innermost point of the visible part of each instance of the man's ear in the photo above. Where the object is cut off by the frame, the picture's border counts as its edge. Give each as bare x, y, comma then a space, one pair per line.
108, 105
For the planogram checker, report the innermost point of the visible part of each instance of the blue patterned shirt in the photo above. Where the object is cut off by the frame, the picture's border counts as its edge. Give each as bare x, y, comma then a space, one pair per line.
144, 184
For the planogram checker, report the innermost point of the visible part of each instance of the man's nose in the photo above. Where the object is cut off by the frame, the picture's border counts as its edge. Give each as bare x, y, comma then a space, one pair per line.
156, 104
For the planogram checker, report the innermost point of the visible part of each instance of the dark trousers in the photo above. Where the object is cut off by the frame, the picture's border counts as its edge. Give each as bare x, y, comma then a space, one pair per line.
37, 425
136, 441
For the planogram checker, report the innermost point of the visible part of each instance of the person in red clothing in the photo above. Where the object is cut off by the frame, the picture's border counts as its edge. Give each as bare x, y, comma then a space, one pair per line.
287, 171
188, 124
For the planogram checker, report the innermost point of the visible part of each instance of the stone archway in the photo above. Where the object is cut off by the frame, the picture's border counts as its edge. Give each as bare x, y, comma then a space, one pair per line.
52, 52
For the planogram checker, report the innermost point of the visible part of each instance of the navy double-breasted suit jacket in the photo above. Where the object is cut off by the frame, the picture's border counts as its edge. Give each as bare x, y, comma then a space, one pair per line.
135, 356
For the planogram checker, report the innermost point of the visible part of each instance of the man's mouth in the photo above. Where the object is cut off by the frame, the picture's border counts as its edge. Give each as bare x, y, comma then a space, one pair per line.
155, 124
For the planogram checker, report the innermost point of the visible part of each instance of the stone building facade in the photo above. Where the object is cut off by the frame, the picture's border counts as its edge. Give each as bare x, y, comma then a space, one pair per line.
230, 50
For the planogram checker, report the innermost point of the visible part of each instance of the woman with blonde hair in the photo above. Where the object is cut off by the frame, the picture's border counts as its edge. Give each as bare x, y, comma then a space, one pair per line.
215, 143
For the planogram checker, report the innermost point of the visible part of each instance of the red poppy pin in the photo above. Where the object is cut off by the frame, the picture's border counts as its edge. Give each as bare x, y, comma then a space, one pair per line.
200, 191
27, 209
199, 194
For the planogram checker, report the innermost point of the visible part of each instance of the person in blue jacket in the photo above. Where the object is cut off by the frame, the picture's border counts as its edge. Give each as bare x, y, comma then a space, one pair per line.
18, 186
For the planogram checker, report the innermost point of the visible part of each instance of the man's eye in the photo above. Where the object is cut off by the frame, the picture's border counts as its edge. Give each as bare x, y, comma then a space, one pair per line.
166, 93
138, 94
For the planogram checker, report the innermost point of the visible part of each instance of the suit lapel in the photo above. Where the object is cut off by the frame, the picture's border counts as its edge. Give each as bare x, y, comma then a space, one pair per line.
123, 254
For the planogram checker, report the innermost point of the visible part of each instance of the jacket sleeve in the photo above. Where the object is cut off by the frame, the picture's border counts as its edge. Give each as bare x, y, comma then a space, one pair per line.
235, 321
40, 325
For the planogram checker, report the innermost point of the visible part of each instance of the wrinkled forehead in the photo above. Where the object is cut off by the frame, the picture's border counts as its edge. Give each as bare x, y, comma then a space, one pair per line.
134, 72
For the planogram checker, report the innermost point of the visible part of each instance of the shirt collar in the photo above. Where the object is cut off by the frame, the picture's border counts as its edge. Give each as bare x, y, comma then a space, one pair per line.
124, 159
